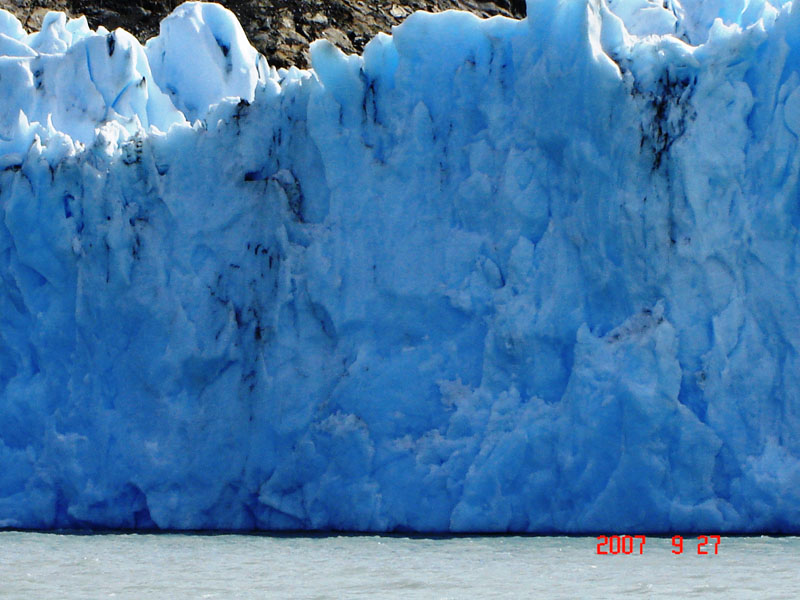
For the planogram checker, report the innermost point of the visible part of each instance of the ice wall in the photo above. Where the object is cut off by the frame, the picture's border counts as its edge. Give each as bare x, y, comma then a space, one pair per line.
497, 275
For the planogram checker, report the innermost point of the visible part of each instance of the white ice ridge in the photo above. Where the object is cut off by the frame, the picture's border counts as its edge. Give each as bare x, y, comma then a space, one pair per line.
492, 275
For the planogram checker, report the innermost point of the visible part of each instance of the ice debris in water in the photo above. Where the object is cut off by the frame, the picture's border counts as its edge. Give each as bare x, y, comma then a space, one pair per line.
492, 275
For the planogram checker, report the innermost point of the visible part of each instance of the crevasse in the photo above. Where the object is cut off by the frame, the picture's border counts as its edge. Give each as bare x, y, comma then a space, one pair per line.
492, 275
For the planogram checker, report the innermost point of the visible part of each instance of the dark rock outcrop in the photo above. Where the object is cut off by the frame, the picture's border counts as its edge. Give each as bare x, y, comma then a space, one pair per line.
279, 29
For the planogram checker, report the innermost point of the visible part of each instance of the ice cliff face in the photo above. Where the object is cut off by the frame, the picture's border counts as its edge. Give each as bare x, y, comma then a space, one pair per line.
492, 275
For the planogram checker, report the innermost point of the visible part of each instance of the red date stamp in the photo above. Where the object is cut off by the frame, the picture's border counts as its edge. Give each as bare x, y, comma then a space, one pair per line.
634, 544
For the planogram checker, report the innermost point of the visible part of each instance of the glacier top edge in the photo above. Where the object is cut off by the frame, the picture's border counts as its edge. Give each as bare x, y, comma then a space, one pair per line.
71, 80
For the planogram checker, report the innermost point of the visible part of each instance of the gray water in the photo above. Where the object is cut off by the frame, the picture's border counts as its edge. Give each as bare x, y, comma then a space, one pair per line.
34, 565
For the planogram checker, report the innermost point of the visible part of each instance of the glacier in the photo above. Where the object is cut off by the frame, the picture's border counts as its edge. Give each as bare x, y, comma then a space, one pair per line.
490, 276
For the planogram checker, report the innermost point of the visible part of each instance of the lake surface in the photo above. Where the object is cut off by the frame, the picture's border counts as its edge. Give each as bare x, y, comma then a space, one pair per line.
35, 565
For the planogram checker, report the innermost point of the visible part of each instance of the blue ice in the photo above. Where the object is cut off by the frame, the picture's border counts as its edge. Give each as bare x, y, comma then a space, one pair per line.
491, 275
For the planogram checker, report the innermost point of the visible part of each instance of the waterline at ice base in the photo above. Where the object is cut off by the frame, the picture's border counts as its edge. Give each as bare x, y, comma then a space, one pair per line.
491, 276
